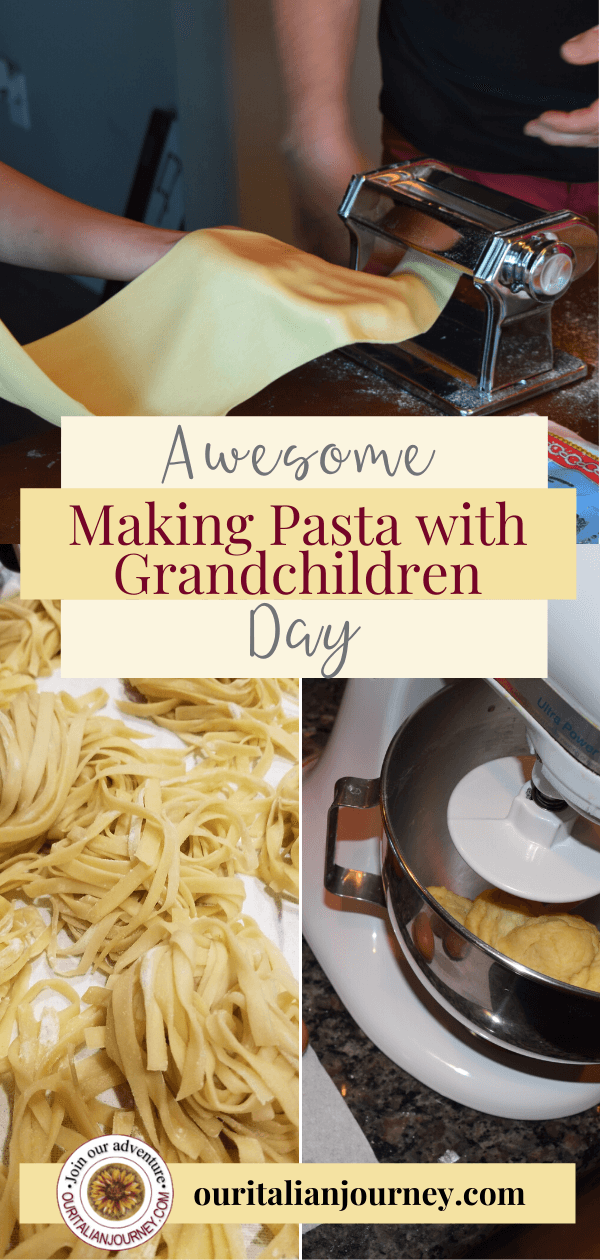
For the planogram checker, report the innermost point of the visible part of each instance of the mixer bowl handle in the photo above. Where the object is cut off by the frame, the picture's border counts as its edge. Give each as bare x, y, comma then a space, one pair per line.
358, 885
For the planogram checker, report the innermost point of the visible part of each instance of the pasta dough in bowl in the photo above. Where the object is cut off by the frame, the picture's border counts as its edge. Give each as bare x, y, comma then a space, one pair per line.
558, 944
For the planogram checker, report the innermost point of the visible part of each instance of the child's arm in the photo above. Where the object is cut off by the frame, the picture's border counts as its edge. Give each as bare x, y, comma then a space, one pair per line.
42, 229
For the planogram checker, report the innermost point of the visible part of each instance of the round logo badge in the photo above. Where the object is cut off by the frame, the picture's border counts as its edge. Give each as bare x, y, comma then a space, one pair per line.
115, 1192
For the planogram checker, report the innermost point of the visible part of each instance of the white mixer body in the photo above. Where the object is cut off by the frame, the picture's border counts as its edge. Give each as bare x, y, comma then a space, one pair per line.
358, 956
574, 639
574, 673
573, 781
562, 716
369, 972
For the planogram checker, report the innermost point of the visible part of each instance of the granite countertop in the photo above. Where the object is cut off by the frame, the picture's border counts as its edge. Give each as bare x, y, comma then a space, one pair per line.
405, 1120
320, 703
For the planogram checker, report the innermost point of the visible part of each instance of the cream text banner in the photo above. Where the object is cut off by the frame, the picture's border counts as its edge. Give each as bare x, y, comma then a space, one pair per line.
320, 451
464, 544
322, 639
345, 1193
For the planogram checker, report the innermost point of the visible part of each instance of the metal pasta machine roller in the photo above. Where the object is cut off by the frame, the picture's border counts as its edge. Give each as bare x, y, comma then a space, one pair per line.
492, 344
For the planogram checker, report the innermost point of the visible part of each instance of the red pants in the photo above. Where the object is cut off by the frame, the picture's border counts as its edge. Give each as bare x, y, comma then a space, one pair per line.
550, 194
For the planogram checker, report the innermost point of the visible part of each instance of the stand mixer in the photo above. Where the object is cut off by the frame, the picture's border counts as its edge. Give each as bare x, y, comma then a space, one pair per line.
523, 766
492, 344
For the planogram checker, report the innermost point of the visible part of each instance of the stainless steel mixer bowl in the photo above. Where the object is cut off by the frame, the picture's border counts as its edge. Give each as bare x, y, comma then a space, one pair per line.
461, 727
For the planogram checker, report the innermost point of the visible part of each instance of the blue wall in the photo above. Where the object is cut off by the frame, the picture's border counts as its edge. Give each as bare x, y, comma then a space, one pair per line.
95, 69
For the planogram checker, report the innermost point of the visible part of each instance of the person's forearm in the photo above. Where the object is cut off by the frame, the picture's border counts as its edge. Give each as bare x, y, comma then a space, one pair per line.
317, 39
40, 228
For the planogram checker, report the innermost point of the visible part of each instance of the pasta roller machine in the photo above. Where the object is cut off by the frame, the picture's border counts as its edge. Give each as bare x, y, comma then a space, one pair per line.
492, 344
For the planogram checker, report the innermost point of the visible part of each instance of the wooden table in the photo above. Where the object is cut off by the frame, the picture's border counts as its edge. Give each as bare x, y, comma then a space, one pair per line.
335, 386
34, 461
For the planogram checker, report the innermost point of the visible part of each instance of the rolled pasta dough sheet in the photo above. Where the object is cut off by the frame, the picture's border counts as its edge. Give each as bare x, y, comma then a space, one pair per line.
218, 318
23, 383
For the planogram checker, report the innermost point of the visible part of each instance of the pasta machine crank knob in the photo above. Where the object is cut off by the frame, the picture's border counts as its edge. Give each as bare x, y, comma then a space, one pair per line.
541, 267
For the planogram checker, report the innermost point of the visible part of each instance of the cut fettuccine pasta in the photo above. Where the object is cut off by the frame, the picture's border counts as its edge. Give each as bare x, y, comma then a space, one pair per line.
238, 724
29, 643
122, 865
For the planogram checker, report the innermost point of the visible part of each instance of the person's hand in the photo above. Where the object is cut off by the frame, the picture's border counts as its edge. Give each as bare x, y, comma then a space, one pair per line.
580, 127
319, 174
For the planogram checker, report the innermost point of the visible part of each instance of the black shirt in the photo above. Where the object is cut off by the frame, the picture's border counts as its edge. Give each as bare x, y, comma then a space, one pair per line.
462, 77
